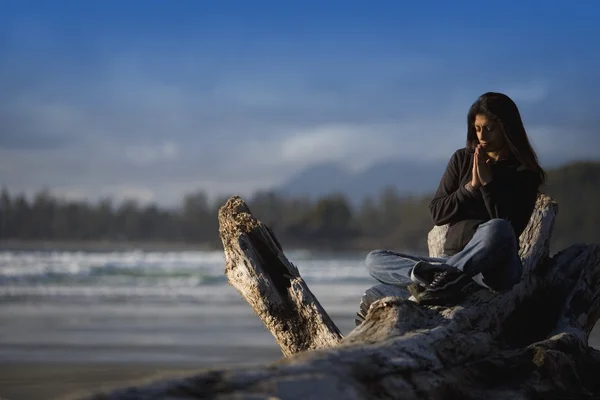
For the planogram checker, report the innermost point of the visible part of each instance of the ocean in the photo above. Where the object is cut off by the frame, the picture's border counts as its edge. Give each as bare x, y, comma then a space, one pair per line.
152, 307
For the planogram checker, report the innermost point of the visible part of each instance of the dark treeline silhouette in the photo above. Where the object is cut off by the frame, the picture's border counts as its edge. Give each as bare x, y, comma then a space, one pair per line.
327, 223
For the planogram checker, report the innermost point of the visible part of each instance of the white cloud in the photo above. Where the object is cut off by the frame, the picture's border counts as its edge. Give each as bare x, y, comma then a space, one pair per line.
555, 145
327, 143
358, 146
353, 145
249, 94
528, 92
146, 155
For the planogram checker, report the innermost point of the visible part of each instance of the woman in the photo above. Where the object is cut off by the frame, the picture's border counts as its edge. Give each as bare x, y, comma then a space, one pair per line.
486, 195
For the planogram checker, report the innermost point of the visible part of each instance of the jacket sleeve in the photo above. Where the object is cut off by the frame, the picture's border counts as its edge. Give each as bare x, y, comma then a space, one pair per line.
515, 205
449, 201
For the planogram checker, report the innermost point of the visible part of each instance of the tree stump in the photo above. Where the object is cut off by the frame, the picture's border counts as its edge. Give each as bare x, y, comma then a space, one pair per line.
527, 343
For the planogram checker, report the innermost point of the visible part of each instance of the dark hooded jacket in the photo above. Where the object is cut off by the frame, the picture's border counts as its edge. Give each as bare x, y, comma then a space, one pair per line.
511, 195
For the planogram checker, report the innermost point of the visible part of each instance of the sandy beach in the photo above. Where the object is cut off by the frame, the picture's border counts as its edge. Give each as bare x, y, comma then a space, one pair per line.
60, 381
29, 381
32, 381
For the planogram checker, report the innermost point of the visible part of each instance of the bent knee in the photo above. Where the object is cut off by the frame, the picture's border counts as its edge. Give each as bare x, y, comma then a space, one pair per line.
374, 256
500, 227
499, 232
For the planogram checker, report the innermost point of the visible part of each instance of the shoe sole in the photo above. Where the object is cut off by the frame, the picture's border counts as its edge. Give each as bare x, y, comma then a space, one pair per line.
449, 283
429, 298
375, 293
453, 299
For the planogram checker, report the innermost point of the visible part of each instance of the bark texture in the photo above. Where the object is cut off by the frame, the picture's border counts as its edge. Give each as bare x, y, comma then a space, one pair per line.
527, 343
256, 266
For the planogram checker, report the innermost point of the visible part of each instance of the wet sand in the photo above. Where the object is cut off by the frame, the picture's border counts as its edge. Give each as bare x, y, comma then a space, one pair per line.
29, 381
50, 369
47, 381
61, 381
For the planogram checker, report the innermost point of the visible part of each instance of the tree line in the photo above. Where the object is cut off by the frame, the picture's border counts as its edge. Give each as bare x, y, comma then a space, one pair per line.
331, 222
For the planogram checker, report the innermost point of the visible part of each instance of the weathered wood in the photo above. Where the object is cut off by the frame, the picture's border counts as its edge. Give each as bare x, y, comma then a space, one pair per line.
271, 284
436, 238
527, 343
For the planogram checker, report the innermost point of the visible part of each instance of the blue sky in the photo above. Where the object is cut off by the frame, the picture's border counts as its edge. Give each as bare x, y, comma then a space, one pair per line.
154, 99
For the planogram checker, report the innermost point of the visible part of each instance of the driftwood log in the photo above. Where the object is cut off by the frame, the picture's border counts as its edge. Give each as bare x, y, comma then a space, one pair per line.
528, 343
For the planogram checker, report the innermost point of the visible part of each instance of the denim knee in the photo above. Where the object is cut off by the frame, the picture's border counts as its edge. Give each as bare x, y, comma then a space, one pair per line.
373, 258
498, 231
499, 226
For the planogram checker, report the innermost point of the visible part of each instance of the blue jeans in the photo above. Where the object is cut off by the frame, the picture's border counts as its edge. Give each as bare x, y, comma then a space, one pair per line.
491, 258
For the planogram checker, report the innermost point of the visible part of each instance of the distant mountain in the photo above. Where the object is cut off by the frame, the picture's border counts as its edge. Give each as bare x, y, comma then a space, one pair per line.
406, 176
316, 180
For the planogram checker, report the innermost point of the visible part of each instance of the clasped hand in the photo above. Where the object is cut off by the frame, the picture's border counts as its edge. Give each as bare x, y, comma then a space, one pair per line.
482, 173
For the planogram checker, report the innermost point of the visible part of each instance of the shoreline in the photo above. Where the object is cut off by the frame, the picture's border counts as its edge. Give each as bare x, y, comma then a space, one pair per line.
101, 245
362, 246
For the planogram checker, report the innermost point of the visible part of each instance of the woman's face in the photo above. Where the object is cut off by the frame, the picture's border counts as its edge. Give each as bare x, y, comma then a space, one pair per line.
489, 134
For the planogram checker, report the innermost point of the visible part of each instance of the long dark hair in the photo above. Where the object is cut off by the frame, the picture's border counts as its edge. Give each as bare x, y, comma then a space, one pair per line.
499, 108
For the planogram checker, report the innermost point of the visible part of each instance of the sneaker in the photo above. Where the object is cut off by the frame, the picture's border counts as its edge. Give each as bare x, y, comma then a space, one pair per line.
375, 293
450, 296
448, 288
425, 273
440, 298
451, 279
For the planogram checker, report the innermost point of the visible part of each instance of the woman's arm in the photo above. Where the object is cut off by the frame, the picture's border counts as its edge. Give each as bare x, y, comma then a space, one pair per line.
450, 198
